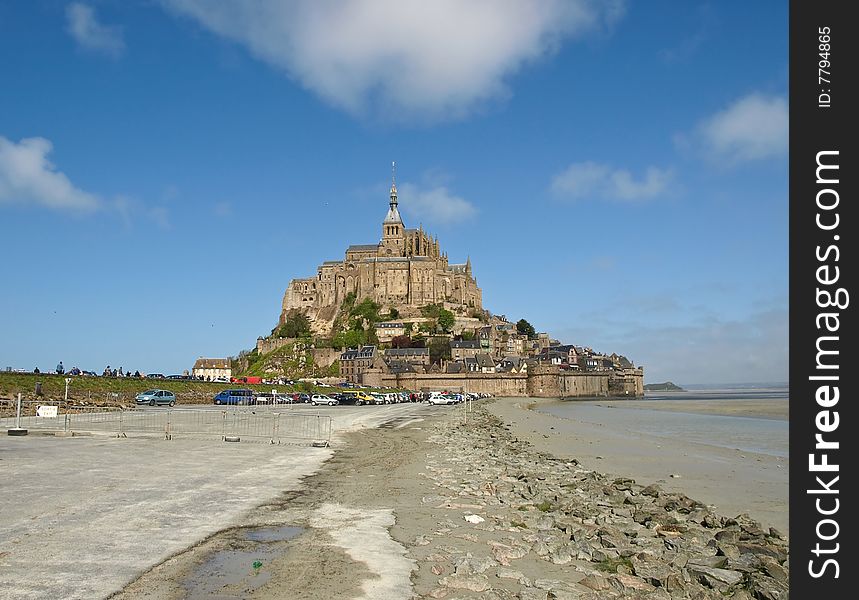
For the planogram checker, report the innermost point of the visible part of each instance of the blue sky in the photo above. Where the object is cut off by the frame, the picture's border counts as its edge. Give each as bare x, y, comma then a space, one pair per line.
617, 171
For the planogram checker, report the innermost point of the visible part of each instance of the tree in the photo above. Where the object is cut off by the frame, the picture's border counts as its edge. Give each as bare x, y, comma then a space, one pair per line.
439, 348
352, 338
393, 313
446, 320
296, 325
525, 328
367, 310
401, 341
467, 334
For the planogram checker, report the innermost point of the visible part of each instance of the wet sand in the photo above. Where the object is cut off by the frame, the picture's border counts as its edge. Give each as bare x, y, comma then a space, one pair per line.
732, 481
760, 409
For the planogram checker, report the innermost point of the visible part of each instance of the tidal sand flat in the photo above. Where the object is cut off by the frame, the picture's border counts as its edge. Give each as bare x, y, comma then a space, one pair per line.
720, 456
455, 507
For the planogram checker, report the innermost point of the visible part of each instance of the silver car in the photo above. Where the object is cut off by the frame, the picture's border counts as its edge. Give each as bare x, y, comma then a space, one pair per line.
317, 399
156, 397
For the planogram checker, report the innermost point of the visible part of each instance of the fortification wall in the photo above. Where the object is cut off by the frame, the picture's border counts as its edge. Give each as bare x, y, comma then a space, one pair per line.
543, 382
323, 357
498, 384
572, 385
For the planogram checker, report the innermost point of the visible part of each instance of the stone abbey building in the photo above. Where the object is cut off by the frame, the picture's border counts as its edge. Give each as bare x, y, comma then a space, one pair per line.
406, 269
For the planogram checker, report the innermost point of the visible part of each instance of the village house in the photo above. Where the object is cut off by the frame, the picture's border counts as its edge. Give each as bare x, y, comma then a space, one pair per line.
355, 361
387, 331
211, 369
417, 357
485, 363
460, 349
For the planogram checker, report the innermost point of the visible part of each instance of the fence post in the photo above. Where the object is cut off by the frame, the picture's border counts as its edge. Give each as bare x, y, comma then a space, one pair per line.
17, 429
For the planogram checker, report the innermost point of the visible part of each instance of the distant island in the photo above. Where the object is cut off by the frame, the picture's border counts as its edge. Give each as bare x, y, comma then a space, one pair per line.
668, 386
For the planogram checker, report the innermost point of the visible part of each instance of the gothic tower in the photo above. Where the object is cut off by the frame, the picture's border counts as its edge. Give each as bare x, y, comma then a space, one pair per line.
393, 231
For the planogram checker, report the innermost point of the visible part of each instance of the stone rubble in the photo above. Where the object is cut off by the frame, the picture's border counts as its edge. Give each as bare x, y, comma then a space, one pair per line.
552, 530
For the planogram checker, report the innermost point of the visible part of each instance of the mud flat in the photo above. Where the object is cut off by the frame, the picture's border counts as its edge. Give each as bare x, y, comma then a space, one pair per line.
445, 508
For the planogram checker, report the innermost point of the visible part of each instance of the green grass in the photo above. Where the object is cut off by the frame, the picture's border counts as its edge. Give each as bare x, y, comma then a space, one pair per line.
610, 565
121, 390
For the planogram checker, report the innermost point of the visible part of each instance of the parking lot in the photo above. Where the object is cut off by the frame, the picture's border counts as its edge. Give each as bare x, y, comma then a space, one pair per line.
82, 516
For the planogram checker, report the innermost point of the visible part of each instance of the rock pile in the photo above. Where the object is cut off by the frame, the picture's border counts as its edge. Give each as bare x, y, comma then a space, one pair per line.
513, 523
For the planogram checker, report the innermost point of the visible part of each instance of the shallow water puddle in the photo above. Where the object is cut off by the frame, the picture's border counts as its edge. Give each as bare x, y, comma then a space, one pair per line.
233, 572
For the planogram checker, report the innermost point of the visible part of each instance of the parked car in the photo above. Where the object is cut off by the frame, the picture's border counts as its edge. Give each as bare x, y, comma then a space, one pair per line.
265, 398
178, 377
302, 398
156, 397
357, 398
317, 399
155, 376
241, 396
439, 398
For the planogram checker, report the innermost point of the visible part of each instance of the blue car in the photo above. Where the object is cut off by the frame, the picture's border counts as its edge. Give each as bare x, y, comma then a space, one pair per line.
235, 397
156, 397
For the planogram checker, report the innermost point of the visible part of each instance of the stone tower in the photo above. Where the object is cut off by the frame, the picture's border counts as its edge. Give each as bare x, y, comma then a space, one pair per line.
393, 231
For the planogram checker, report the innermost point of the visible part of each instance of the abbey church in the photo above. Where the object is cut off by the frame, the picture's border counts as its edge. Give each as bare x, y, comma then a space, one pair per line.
406, 270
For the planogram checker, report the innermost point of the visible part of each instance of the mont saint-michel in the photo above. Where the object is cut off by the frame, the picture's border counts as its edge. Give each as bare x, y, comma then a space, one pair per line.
406, 269
399, 314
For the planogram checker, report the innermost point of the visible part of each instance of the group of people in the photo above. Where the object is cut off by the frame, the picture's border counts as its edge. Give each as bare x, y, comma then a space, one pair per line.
118, 373
108, 372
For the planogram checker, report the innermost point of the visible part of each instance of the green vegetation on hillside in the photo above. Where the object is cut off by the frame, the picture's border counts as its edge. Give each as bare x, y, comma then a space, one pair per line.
663, 387
525, 328
297, 325
440, 318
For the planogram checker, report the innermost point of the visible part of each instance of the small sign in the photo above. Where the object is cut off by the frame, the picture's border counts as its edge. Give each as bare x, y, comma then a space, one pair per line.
47, 411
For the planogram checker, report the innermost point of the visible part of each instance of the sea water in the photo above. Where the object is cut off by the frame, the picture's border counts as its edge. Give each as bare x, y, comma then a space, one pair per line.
748, 434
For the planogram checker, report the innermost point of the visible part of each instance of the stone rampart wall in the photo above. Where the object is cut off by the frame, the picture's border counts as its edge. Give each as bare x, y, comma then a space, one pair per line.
542, 382
323, 357
572, 385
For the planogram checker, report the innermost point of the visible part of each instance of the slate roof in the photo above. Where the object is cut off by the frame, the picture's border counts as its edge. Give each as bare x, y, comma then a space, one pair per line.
484, 360
400, 366
363, 352
407, 352
212, 363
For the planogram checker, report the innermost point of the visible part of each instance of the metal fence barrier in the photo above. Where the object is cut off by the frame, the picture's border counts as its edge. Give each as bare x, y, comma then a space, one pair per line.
269, 425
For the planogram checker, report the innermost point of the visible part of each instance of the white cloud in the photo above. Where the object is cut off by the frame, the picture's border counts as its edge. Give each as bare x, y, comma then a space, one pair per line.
27, 176
752, 128
434, 204
402, 58
599, 181
83, 26
131, 210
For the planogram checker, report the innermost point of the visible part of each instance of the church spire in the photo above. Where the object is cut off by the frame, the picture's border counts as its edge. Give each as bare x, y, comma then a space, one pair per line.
393, 215
393, 184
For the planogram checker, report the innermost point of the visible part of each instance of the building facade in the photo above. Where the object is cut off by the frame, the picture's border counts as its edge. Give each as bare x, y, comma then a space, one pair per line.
212, 368
406, 268
354, 362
